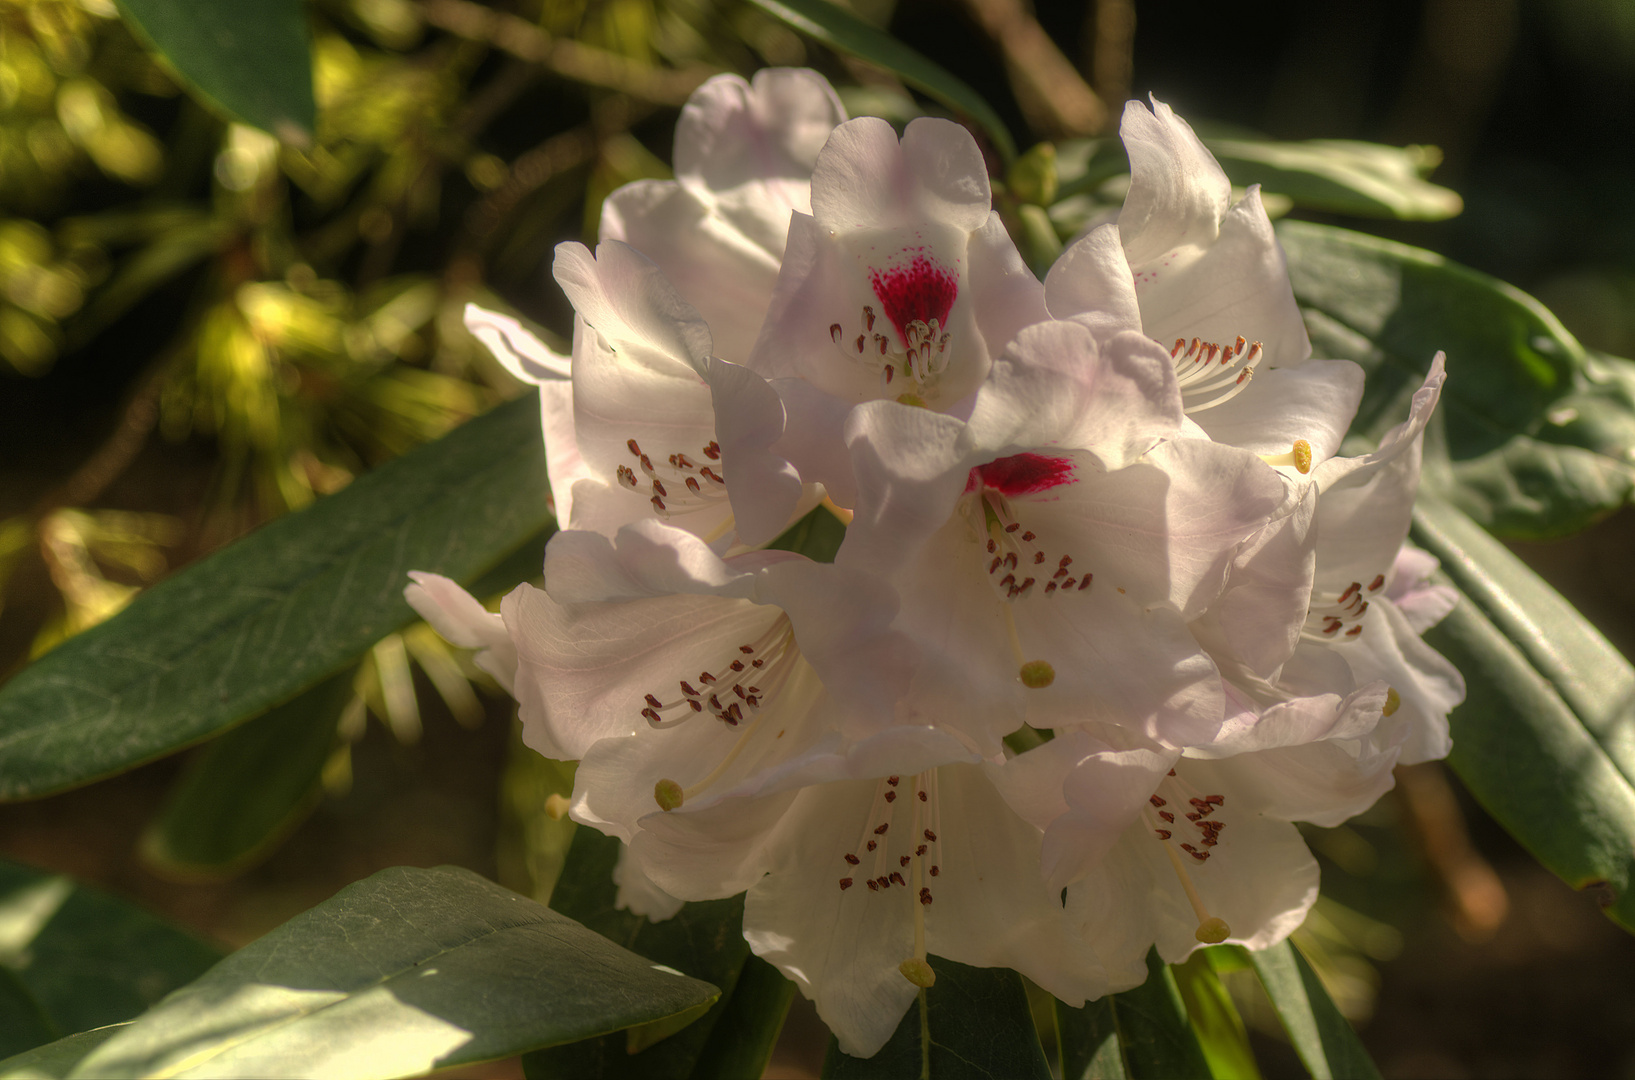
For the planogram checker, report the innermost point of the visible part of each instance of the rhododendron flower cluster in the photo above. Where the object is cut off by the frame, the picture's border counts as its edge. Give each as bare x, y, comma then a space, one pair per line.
1107, 510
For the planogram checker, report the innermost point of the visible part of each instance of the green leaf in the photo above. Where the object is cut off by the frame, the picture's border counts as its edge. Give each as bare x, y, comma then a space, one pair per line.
1546, 737
1215, 1020
403, 972
85, 958
748, 1029
55, 1060
1327, 1046
1531, 438
844, 32
704, 940
267, 617
249, 58
1155, 1038
973, 1023
1089, 1041
23, 1021
248, 789
818, 536
1342, 176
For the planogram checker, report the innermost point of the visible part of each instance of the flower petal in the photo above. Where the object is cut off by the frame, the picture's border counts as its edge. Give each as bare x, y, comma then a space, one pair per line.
1092, 281
461, 621
1178, 193
515, 346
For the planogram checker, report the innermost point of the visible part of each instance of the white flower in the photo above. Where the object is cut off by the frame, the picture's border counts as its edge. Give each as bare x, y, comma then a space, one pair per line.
902, 283
852, 884
1370, 597
1050, 550
633, 434
1208, 280
743, 159
1174, 848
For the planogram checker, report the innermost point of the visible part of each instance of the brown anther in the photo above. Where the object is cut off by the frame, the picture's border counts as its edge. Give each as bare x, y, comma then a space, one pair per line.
891, 796
868, 317
756, 663
1156, 801
1354, 631
922, 795
634, 449
1038, 557
853, 859
860, 340
658, 489
713, 450
920, 850
881, 829
903, 860
736, 665
655, 702
925, 895
1377, 583
1167, 816
651, 715
931, 836
845, 883
1013, 526
873, 844
885, 882
1163, 834
658, 504
706, 677
873, 886
1028, 538
1084, 583
993, 545
1354, 587
935, 870
893, 780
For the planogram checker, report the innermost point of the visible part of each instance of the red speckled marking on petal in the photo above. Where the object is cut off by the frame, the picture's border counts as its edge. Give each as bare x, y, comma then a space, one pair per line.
921, 290
1022, 474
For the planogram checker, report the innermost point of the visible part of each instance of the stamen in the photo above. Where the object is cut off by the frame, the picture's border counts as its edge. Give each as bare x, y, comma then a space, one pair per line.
1298, 456
1393, 702
1212, 930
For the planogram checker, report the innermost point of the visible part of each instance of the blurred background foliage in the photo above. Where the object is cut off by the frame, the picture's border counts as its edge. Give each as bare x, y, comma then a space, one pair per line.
203, 327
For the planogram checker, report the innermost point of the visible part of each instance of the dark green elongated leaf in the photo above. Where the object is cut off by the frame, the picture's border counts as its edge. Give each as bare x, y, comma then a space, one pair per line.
55, 1060
742, 1041
1322, 1037
1089, 1041
974, 1023
249, 788
287, 606
1531, 439
704, 940
1215, 1020
1342, 176
403, 972
250, 59
1153, 1029
1586, 669
86, 958
844, 32
1542, 738
818, 536
23, 1021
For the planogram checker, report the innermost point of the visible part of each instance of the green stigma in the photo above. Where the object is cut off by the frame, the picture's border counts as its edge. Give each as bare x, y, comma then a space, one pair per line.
1037, 674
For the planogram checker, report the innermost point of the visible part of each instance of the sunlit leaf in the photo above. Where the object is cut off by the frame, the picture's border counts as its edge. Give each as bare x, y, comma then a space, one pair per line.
249, 58
1088, 1038
1546, 737
1327, 1045
1342, 175
403, 972
1215, 1020
705, 940
249, 788
818, 536
1530, 438
844, 32
974, 1023
275, 613
55, 1060
85, 958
